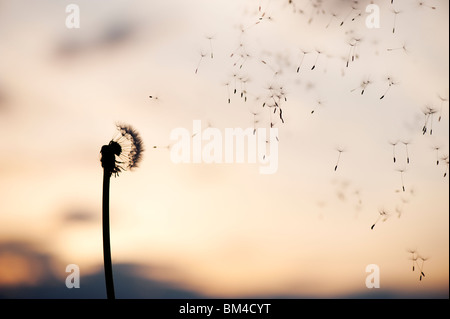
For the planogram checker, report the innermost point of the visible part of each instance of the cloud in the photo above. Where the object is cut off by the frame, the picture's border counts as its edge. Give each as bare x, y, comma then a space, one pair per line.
27, 273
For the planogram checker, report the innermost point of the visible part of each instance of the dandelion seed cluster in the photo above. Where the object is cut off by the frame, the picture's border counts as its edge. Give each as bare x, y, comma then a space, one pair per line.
124, 151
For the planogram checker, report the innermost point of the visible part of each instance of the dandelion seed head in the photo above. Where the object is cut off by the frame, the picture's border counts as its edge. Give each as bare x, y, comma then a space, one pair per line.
124, 151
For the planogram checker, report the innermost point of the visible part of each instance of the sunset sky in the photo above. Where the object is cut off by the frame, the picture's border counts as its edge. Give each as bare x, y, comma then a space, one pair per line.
225, 230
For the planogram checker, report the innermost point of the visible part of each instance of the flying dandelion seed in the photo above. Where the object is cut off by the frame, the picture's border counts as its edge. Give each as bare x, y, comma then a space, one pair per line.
394, 145
391, 83
154, 98
444, 159
395, 19
340, 151
202, 55
255, 121
422, 4
421, 266
318, 104
404, 48
413, 258
210, 38
383, 216
407, 151
432, 112
363, 86
303, 53
317, 59
443, 100
427, 113
348, 15
228, 91
352, 54
437, 148
333, 17
123, 152
402, 171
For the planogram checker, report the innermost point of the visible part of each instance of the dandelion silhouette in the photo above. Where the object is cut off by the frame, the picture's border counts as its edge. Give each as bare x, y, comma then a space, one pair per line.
123, 152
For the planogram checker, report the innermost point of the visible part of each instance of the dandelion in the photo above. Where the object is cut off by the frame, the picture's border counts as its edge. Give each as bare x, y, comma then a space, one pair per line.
123, 152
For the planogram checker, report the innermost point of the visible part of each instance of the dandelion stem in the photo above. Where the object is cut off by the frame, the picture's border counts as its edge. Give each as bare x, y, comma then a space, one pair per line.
106, 236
